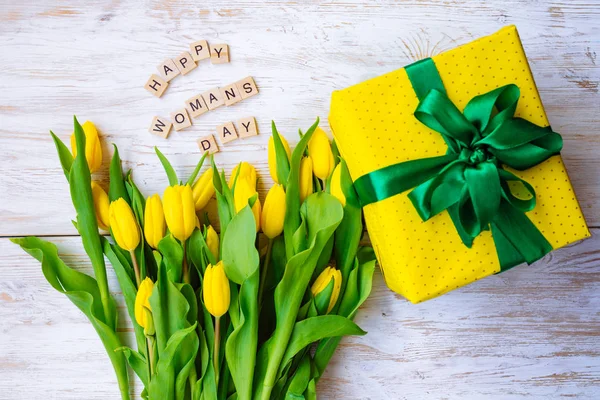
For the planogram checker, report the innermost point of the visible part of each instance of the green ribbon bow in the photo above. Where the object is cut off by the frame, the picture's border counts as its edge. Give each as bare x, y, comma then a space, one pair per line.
470, 181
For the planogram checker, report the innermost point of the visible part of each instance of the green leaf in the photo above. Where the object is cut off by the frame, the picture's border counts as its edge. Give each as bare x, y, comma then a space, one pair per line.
173, 307
292, 193
64, 155
360, 281
316, 328
83, 291
311, 390
325, 256
168, 168
169, 309
358, 289
138, 204
225, 204
173, 362
299, 381
194, 174
240, 257
244, 338
350, 232
283, 163
199, 253
122, 267
80, 184
116, 188
172, 254
137, 362
300, 238
323, 213
241, 263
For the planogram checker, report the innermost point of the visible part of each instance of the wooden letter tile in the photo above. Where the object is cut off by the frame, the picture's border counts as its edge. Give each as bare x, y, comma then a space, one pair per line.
185, 63
247, 87
213, 98
226, 132
208, 143
156, 85
231, 94
181, 119
161, 127
200, 50
168, 70
196, 106
219, 54
247, 127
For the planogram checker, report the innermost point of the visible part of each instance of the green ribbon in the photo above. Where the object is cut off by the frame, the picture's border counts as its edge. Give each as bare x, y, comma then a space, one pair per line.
469, 181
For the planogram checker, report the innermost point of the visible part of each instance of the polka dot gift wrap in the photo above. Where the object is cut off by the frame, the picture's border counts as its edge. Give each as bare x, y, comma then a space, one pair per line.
374, 127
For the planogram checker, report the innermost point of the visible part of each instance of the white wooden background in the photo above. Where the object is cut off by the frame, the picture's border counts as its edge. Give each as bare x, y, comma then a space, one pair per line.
532, 332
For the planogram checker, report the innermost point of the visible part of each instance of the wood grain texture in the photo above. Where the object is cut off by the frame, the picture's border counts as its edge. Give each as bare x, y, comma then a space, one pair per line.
92, 60
531, 332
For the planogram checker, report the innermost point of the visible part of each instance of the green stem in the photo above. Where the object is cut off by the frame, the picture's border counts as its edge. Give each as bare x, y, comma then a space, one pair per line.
150, 344
216, 349
186, 269
263, 276
136, 267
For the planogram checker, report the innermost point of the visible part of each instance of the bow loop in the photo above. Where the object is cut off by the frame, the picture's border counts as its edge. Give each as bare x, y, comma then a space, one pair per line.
469, 182
437, 112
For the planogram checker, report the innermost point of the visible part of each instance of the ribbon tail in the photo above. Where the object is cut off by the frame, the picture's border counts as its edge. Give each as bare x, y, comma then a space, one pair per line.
454, 213
517, 239
397, 178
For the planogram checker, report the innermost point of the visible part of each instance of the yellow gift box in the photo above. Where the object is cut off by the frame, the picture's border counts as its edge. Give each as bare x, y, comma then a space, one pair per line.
374, 127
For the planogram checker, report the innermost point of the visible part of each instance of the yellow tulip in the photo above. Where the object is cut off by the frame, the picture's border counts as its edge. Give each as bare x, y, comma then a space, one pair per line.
319, 150
212, 241
242, 193
336, 184
215, 290
142, 304
323, 281
154, 221
180, 213
93, 149
203, 189
273, 212
247, 172
123, 224
101, 206
273, 157
306, 178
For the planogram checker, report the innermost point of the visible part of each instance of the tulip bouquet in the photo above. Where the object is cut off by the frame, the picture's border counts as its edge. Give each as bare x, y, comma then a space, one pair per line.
228, 315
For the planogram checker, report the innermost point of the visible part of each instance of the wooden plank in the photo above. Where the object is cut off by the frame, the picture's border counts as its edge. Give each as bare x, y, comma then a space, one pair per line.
530, 331
297, 62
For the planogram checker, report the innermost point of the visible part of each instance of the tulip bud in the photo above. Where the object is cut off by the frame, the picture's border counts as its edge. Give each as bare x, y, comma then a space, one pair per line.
215, 290
101, 206
319, 150
242, 193
336, 184
273, 212
212, 241
247, 172
273, 156
142, 304
93, 150
180, 213
322, 282
123, 224
306, 178
154, 221
203, 189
